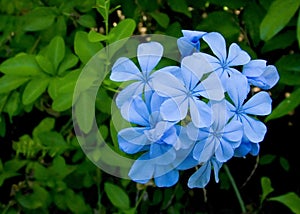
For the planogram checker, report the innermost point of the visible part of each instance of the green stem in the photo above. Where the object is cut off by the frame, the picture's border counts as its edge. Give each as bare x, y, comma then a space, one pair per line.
236, 190
140, 199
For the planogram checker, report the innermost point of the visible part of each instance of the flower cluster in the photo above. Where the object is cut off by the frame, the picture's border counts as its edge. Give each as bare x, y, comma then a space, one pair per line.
196, 115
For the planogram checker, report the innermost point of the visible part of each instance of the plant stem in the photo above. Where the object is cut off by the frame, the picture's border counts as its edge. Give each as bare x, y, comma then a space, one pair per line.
236, 190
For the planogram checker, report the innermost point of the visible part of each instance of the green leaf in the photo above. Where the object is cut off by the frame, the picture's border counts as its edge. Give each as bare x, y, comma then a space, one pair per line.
84, 48
56, 51
290, 199
85, 111
21, 65
117, 196
96, 37
34, 89
13, 104
3, 127
180, 6
123, 30
62, 102
68, 62
45, 64
284, 163
87, 21
55, 143
280, 41
53, 87
76, 203
46, 125
38, 19
161, 18
289, 69
286, 106
266, 159
277, 17
266, 188
11, 82
228, 27
38, 198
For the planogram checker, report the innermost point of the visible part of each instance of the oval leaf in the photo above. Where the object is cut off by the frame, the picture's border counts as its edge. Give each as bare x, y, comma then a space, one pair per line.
56, 51
34, 89
117, 196
39, 19
291, 200
21, 65
84, 48
45, 64
266, 188
279, 14
286, 106
124, 29
10, 82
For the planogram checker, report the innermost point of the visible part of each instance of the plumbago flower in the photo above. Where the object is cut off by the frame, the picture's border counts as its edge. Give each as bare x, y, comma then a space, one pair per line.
198, 114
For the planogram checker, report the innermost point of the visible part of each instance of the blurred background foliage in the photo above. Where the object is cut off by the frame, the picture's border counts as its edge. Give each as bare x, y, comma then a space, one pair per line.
44, 44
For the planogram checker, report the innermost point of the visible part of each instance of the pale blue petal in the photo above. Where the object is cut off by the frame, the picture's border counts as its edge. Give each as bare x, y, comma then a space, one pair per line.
224, 151
254, 68
168, 179
233, 133
204, 150
200, 113
237, 90
254, 129
142, 169
162, 154
267, 80
236, 56
184, 160
197, 64
186, 47
201, 177
174, 109
136, 111
192, 35
149, 54
129, 92
217, 44
213, 61
217, 166
170, 136
167, 85
243, 149
123, 70
155, 102
132, 140
212, 87
259, 104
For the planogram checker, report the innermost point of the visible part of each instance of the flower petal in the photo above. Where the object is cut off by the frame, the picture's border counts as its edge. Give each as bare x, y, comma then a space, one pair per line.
174, 109
132, 140
205, 149
254, 68
136, 111
217, 44
254, 129
224, 151
201, 177
200, 113
237, 90
236, 56
129, 92
124, 69
217, 166
213, 88
166, 180
162, 154
142, 169
149, 54
259, 104
233, 133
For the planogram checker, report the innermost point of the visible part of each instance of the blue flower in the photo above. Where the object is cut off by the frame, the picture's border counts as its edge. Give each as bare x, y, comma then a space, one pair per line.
148, 55
156, 137
259, 104
261, 75
219, 140
246, 147
190, 42
202, 176
224, 63
184, 91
